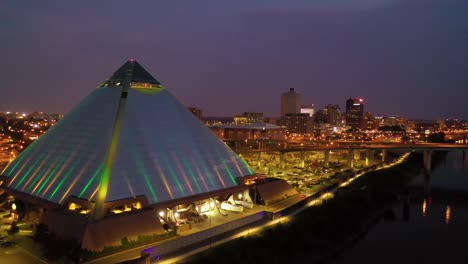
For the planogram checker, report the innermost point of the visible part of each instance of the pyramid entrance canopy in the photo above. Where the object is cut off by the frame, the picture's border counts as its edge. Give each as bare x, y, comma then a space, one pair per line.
127, 138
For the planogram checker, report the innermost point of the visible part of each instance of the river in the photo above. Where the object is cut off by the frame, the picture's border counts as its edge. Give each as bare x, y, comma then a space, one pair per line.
430, 225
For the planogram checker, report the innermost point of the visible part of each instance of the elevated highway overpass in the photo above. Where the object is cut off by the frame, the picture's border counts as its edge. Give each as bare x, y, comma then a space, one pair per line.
369, 148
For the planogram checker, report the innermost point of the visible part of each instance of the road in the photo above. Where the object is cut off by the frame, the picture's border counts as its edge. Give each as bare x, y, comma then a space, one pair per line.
362, 146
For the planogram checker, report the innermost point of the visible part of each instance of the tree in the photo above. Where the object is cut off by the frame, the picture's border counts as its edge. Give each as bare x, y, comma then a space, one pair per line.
14, 229
405, 138
437, 137
41, 232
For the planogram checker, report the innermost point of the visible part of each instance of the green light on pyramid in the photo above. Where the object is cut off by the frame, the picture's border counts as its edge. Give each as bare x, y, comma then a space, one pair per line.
247, 166
96, 173
51, 174
191, 173
151, 145
70, 171
173, 174
142, 170
31, 168
35, 178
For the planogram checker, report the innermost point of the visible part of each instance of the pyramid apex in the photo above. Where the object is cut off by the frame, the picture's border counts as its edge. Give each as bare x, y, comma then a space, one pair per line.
138, 77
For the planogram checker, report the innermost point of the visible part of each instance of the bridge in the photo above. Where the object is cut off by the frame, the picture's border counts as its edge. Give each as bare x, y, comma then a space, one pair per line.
355, 149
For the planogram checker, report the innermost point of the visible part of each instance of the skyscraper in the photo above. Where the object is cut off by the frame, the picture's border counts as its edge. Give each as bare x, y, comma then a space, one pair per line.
334, 114
290, 102
354, 112
369, 122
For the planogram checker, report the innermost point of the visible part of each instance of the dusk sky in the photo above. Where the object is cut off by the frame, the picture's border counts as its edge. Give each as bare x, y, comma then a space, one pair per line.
405, 58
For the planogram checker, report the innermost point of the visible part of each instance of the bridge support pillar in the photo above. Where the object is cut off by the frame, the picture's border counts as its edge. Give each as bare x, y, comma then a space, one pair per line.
259, 160
464, 139
327, 158
302, 163
384, 155
357, 154
369, 157
351, 158
427, 161
282, 160
236, 145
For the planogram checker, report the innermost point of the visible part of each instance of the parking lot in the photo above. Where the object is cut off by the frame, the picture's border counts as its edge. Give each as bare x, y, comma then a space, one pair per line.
11, 253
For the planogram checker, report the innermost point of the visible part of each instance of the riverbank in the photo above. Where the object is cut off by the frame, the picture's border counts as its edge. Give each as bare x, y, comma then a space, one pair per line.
321, 231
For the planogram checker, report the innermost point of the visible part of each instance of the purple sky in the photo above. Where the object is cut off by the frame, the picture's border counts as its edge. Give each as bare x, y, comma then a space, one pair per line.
407, 57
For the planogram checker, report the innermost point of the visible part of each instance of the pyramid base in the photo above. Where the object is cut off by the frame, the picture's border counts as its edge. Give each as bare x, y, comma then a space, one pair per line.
106, 232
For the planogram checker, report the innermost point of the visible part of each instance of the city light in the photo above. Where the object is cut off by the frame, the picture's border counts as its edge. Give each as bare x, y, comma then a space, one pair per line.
448, 214
138, 159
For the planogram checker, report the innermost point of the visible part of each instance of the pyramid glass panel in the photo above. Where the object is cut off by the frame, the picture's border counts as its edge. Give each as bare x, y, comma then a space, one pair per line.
138, 74
129, 137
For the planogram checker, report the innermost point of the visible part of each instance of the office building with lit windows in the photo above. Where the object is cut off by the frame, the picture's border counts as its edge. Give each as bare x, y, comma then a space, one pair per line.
354, 112
249, 118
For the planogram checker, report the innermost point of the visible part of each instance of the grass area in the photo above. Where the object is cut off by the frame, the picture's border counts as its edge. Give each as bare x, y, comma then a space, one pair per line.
128, 244
320, 230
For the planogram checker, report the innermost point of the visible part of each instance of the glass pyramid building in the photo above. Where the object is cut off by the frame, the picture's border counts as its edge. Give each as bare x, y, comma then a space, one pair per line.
129, 137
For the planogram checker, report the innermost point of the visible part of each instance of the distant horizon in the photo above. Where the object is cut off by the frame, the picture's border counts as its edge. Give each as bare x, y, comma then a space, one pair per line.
266, 116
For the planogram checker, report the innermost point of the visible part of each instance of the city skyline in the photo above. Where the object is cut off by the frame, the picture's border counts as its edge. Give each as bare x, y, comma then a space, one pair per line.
405, 58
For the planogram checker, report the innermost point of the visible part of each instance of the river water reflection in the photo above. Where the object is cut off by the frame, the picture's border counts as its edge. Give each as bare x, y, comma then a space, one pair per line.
431, 226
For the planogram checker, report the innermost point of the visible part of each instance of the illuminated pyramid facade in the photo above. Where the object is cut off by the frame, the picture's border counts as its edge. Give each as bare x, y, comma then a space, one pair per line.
129, 137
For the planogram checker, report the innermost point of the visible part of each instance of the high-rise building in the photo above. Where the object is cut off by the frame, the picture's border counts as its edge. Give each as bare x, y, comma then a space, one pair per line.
308, 109
321, 117
334, 114
369, 122
330, 114
354, 112
290, 102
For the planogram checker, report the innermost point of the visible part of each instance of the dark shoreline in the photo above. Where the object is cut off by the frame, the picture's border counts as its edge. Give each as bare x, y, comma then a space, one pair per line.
323, 232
